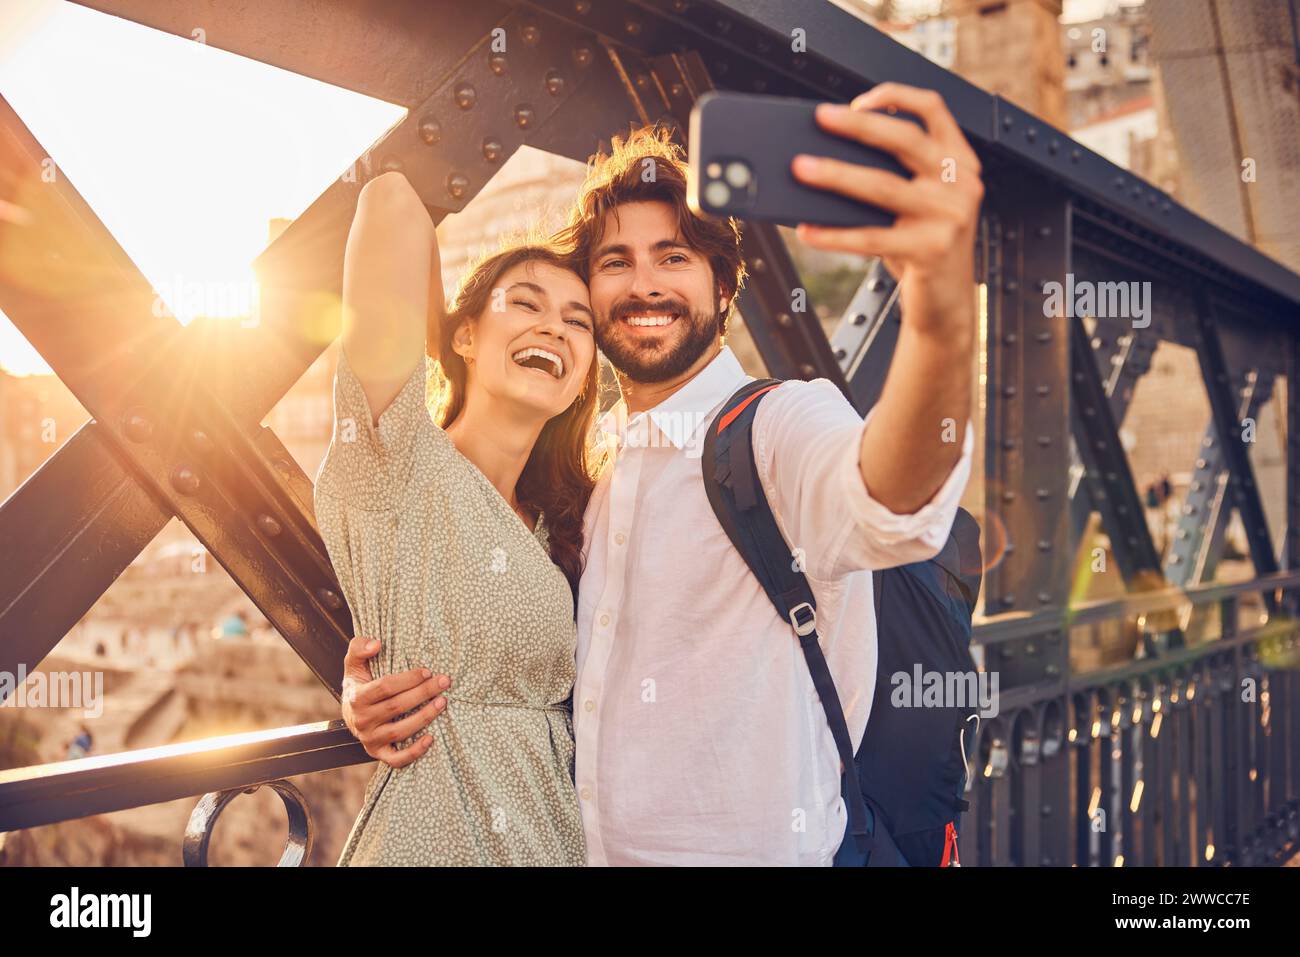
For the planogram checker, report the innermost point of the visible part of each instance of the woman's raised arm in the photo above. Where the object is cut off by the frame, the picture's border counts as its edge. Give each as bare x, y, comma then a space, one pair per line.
392, 287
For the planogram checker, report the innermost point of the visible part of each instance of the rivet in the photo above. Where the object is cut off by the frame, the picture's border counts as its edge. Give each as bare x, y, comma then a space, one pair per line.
783, 319
524, 116
531, 34
1006, 122
1044, 231
1011, 285
632, 28
840, 354
1009, 339
1043, 336
680, 6
1009, 444
1054, 147
1042, 390
497, 63
1044, 440
1075, 155
1008, 391
465, 96
860, 319
1044, 545
642, 81
268, 525
391, 164
759, 265
554, 82
430, 130
185, 480
201, 442
1031, 133
329, 598
1042, 494
457, 184
582, 7
137, 427
492, 149
582, 55
1008, 496
807, 370
676, 90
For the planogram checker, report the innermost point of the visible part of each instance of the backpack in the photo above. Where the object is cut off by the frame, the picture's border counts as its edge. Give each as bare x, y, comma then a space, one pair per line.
904, 788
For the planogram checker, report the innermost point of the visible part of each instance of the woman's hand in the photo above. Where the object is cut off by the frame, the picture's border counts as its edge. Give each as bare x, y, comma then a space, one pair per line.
370, 705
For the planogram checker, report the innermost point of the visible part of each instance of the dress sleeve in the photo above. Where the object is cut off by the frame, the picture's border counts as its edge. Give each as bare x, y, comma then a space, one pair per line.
369, 465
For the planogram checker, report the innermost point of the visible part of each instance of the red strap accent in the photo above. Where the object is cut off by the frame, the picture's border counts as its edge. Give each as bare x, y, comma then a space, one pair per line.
730, 417
950, 847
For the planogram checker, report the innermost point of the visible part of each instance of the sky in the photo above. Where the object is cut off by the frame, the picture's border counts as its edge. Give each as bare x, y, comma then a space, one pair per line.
184, 151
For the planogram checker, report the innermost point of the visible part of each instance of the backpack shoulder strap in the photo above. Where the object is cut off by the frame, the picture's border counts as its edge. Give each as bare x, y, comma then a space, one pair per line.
732, 484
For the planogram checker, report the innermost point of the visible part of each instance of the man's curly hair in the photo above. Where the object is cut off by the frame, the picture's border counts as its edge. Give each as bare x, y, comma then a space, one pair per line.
648, 166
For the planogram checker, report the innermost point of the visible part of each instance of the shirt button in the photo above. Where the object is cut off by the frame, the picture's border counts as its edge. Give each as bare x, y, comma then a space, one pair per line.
590, 705
604, 619
585, 793
620, 538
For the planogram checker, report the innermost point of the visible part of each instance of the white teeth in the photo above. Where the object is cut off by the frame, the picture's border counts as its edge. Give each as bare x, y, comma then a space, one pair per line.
550, 357
649, 320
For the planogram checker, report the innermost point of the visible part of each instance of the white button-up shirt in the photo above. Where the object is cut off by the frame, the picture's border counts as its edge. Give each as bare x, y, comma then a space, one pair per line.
700, 737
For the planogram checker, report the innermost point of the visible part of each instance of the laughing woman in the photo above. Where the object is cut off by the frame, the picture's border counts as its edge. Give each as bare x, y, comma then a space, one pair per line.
457, 538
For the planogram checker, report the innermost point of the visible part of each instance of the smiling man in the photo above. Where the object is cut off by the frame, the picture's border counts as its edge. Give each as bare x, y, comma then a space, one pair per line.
699, 735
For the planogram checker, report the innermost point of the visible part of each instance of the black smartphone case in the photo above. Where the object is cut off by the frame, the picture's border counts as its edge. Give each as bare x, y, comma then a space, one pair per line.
767, 132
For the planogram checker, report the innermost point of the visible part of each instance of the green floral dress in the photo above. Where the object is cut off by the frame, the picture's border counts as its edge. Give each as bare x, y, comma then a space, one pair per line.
437, 566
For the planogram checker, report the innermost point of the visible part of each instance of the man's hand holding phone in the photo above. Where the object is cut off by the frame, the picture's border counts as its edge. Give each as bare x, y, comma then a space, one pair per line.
369, 705
930, 246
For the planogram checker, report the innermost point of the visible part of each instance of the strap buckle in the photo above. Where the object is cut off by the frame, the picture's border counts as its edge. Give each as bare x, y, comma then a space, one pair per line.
808, 625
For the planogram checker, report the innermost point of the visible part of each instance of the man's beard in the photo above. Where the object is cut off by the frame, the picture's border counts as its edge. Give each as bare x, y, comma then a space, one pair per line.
642, 361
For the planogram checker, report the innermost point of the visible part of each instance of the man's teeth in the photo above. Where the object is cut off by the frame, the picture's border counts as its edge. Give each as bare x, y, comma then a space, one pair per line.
649, 320
556, 362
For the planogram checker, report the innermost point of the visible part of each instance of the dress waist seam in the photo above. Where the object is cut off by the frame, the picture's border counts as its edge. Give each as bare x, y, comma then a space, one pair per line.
561, 709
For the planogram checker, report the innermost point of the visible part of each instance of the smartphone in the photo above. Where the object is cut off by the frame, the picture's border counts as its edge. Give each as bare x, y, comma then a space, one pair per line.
741, 146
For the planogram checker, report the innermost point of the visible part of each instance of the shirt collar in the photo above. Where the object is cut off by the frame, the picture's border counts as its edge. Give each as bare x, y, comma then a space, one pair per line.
681, 416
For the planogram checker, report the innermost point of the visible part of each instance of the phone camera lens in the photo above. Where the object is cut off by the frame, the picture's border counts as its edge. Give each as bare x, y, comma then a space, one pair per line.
738, 175
717, 194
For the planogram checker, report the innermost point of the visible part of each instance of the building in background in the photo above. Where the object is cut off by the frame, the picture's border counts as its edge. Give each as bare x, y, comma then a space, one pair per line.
37, 415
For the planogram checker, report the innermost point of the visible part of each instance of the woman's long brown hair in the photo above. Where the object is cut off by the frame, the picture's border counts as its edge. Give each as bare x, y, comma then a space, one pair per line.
560, 473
